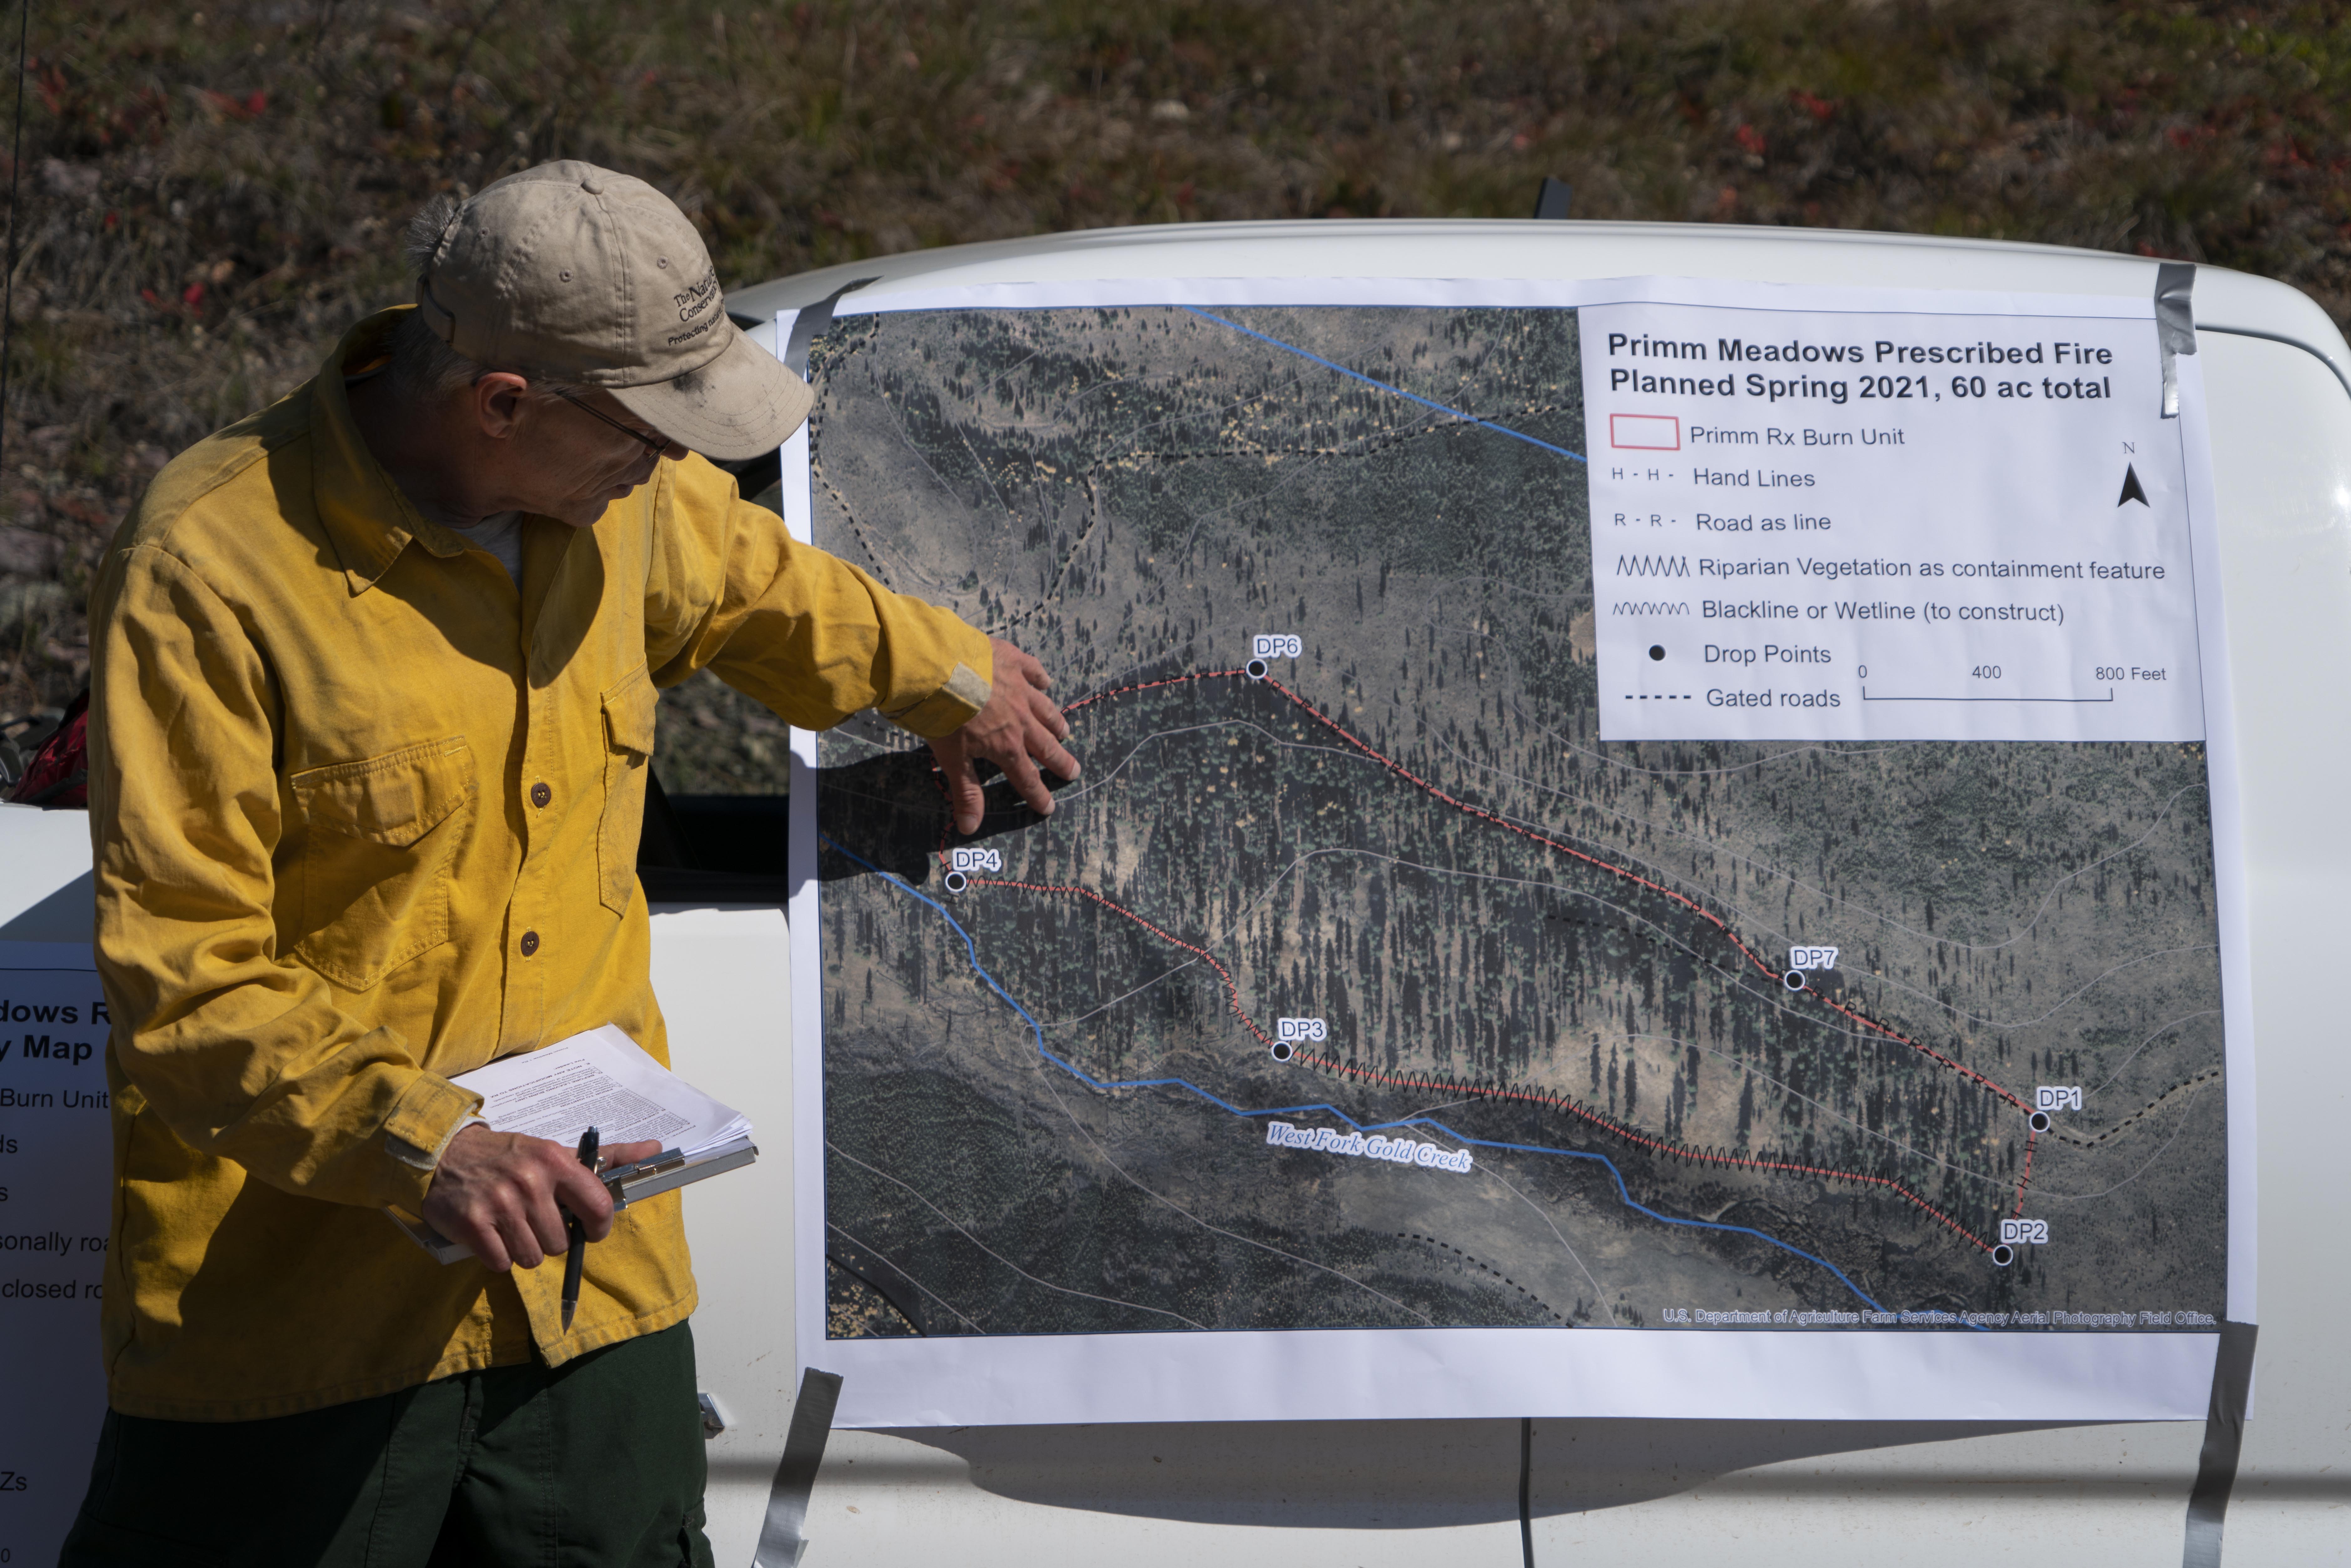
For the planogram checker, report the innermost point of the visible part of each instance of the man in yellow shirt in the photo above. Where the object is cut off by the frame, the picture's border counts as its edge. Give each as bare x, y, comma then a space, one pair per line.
373, 687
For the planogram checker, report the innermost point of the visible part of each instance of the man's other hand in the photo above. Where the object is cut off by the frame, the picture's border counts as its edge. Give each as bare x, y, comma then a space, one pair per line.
1020, 730
504, 1195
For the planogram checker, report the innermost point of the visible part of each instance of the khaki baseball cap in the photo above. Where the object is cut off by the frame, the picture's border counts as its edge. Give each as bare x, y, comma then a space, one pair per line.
582, 275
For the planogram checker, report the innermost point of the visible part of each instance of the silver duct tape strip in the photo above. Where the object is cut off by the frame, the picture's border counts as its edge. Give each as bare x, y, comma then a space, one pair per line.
783, 1536
2175, 325
809, 325
2224, 1436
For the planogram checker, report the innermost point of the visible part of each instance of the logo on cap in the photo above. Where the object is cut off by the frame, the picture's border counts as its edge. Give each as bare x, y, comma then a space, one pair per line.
696, 299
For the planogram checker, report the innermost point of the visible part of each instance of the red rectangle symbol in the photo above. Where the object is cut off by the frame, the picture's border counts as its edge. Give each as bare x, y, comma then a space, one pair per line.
1645, 431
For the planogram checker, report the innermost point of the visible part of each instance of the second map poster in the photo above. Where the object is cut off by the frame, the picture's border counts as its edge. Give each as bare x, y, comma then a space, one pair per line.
1397, 976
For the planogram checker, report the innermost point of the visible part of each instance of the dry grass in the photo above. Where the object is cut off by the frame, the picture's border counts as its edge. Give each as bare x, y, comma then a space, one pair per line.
206, 200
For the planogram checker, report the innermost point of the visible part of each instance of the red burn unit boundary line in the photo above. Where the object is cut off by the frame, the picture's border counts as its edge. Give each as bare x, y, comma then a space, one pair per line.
1444, 1085
1591, 859
1656, 1146
1679, 1151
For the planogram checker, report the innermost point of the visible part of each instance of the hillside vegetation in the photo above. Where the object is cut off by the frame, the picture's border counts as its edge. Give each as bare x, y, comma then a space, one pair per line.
204, 200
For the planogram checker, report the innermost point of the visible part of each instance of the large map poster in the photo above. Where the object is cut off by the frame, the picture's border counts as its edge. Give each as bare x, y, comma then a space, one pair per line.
1500, 895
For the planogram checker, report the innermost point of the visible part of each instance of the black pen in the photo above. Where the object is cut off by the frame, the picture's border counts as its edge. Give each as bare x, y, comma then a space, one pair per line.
577, 1257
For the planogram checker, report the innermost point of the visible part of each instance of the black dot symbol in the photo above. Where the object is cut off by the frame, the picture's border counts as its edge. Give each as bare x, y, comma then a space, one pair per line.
1794, 979
2002, 1256
1282, 1052
2040, 1120
1257, 669
958, 882
1656, 650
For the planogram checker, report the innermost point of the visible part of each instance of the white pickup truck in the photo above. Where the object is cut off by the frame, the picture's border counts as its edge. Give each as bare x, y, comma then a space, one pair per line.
1564, 1484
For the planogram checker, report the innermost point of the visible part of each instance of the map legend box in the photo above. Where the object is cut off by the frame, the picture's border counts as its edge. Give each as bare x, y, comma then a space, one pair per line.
1896, 528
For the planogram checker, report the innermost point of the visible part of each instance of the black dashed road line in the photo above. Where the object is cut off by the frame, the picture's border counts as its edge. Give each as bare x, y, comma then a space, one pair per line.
2077, 1141
1468, 1263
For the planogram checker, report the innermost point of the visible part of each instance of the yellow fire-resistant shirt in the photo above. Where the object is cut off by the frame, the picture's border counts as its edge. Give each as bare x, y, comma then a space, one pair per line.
366, 817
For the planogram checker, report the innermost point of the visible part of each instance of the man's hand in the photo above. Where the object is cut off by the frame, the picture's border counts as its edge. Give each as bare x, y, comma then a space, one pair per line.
500, 1194
1018, 730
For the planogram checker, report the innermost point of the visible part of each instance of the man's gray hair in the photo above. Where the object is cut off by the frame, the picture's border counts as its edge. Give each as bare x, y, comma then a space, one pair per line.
423, 367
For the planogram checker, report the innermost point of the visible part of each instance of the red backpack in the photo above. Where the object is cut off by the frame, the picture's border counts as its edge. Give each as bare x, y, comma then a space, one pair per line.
58, 773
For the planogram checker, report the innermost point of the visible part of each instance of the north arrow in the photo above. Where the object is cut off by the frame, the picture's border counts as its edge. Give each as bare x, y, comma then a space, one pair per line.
2131, 491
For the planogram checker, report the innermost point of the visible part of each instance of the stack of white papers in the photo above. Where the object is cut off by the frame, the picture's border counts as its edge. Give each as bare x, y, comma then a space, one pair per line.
602, 1080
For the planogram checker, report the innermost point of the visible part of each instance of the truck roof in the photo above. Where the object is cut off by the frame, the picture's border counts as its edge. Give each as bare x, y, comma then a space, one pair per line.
2226, 302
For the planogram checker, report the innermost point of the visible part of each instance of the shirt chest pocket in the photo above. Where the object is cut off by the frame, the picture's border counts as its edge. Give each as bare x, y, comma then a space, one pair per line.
372, 877
628, 748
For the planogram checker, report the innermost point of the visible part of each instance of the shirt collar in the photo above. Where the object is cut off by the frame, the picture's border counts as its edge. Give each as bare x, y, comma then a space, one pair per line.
366, 515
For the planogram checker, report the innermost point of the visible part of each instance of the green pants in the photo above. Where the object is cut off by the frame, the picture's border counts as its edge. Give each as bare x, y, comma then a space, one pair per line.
598, 1461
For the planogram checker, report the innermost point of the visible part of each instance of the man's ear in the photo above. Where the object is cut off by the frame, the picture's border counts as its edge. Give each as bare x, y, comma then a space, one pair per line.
497, 401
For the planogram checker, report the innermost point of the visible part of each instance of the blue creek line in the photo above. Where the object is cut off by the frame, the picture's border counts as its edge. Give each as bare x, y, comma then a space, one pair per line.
1409, 397
972, 949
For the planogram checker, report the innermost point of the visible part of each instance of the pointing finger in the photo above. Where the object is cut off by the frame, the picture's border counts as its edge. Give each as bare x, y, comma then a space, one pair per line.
1055, 758
1041, 709
965, 799
1028, 783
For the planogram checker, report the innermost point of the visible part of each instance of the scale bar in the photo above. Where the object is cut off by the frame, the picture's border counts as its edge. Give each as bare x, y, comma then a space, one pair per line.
1868, 699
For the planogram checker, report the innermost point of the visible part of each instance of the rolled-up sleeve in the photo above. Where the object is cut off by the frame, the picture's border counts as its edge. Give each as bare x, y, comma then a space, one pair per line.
810, 635
242, 1053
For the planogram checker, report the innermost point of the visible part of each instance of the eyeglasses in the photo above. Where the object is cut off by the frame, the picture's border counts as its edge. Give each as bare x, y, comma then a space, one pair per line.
656, 444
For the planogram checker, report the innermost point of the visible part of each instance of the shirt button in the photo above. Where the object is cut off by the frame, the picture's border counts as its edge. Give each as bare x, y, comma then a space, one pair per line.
529, 943
540, 794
